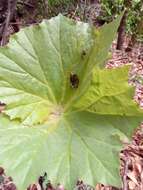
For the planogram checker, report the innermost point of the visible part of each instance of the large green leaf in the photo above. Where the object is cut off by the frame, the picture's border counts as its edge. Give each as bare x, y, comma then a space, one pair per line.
79, 146
35, 66
69, 116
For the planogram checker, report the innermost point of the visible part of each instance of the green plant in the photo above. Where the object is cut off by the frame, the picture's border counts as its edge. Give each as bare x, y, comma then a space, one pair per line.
111, 9
135, 17
65, 114
57, 2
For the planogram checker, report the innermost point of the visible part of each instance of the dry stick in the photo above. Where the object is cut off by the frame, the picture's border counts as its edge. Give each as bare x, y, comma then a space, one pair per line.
76, 10
26, 4
5, 27
125, 183
46, 6
10, 11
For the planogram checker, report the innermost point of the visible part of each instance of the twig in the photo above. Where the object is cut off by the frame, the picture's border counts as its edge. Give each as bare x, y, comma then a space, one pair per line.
125, 183
45, 6
25, 3
10, 11
76, 9
23, 24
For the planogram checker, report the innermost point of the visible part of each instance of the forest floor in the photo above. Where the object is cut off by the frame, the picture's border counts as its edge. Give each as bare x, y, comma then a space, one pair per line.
132, 154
